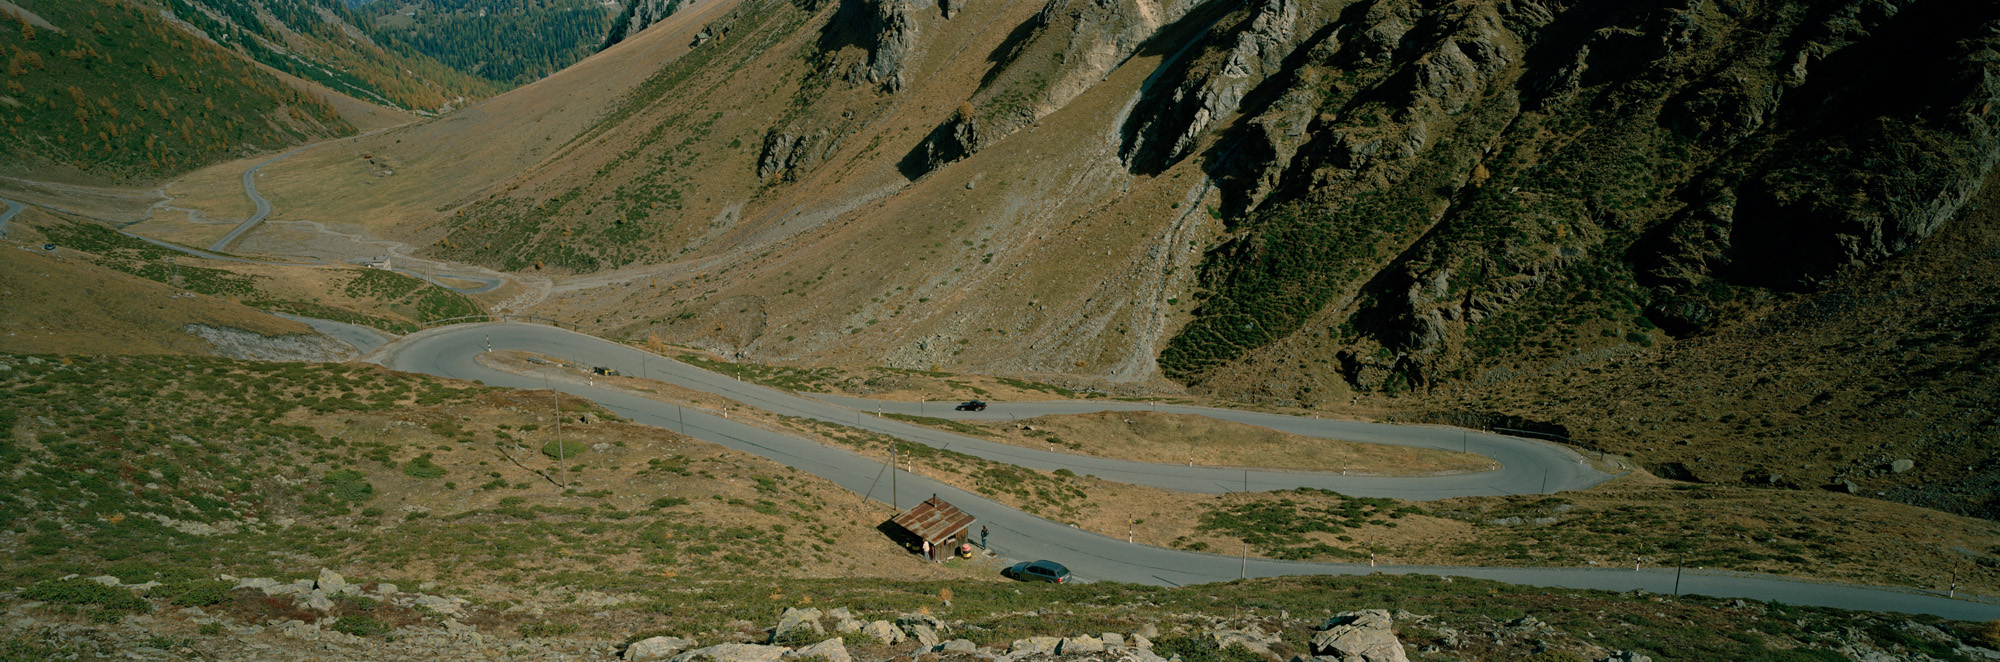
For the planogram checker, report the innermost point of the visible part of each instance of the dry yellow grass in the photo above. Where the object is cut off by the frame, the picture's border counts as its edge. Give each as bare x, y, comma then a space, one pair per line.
1597, 527
1161, 437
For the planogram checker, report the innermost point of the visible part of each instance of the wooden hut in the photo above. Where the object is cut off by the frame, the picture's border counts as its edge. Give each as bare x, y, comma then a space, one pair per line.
941, 524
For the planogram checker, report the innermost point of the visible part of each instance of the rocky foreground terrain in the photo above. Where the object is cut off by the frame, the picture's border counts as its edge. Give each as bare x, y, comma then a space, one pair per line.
329, 618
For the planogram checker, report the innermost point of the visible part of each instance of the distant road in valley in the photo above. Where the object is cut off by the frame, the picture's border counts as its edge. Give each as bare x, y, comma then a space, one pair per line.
263, 206
13, 209
451, 352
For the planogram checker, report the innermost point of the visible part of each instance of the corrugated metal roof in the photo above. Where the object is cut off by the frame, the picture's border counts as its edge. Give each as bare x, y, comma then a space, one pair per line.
934, 520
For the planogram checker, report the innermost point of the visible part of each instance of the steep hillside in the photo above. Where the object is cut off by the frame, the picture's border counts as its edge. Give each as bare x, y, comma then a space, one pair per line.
115, 91
1390, 203
325, 42
513, 42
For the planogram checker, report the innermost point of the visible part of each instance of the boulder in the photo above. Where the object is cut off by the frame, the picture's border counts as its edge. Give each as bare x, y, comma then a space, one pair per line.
959, 646
1074, 645
831, 650
657, 648
1249, 637
1036, 646
733, 653
795, 620
1113, 640
883, 632
317, 601
331, 582
1901, 466
923, 634
1626, 656
1358, 636
848, 626
259, 583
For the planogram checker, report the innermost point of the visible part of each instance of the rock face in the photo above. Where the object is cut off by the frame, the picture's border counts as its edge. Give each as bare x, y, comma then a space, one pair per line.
656, 648
1067, 48
1391, 177
639, 15
1362, 636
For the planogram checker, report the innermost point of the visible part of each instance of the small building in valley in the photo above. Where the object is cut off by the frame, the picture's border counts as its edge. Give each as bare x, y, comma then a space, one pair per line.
934, 521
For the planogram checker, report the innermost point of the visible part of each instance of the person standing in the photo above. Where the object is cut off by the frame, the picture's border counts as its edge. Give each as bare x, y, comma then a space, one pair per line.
927, 551
982, 536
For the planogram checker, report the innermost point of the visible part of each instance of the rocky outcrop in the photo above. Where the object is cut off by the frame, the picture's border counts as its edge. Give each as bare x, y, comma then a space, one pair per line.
1487, 152
896, 38
1361, 636
639, 15
1068, 47
1173, 123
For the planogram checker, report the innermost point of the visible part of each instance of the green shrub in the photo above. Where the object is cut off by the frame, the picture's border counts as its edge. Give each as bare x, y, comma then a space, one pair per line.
567, 449
348, 485
79, 591
360, 626
669, 502
196, 593
1194, 649
546, 629
422, 467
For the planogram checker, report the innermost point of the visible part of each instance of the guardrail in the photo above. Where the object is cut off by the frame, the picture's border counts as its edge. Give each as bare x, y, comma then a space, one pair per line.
499, 318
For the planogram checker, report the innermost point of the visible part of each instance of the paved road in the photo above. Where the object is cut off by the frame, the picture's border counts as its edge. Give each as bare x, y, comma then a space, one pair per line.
450, 352
13, 209
263, 206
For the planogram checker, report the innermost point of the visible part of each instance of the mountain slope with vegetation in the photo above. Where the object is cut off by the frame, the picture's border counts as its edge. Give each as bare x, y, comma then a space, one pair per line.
325, 42
113, 90
512, 42
1482, 211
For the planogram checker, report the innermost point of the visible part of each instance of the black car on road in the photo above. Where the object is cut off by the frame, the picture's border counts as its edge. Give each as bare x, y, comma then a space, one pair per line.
972, 405
1039, 571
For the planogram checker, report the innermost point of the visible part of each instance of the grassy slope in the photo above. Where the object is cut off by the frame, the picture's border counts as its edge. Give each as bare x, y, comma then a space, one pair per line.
389, 477
66, 302
385, 300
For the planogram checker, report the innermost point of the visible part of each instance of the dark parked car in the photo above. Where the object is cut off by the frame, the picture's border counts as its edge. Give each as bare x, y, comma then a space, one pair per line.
972, 405
1039, 571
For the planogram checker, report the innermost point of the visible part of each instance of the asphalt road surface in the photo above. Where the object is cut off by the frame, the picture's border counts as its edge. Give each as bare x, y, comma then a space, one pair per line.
13, 209
263, 206
451, 352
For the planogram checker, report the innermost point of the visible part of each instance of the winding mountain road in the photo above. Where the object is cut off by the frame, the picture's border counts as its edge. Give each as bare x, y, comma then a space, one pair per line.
263, 206
452, 352
13, 209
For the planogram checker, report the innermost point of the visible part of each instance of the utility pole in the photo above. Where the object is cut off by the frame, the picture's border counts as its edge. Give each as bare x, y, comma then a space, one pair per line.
894, 501
679, 418
1245, 572
562, 458
1677, 578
